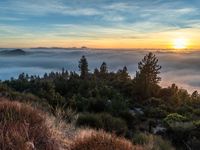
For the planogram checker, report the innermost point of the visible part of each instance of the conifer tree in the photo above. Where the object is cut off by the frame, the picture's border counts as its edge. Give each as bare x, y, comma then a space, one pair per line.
103, 68
83, 67
147, 78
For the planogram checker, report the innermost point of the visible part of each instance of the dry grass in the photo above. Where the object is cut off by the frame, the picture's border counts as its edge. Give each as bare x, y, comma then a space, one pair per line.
100, 140
23, 128
63, 133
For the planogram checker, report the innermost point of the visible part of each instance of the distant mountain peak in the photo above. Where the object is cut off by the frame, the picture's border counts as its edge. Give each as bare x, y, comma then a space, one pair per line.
13, 52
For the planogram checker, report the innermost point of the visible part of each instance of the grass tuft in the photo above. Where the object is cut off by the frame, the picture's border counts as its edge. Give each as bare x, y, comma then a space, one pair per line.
23, 128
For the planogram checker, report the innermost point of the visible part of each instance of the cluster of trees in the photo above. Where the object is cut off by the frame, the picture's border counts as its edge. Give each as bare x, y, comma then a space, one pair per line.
137, 103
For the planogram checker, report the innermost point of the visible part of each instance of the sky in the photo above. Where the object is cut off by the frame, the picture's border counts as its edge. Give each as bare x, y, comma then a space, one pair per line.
99, 23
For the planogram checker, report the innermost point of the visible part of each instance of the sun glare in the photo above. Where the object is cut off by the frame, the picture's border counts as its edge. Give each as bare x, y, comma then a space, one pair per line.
180, 43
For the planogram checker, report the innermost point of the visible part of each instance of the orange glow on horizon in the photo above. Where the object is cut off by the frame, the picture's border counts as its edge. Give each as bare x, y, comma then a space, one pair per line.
184, 39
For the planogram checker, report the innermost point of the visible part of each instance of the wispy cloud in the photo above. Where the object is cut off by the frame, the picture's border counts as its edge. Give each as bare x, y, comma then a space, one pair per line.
99, 19
5, 18
43, 7
121, 6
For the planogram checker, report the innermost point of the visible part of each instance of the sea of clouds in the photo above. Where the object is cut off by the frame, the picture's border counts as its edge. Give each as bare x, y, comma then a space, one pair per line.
180, 68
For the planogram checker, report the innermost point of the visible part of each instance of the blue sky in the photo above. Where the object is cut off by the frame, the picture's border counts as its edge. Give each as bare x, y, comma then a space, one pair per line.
32, 23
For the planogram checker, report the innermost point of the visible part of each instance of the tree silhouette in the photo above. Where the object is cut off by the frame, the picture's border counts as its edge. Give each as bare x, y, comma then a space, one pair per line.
83, 67
103, 68
147, 78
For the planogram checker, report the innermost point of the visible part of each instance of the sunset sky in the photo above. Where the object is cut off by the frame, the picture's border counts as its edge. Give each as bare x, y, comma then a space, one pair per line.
100, 23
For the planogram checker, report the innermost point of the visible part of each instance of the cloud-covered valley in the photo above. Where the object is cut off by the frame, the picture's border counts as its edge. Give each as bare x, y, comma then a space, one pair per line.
180, 68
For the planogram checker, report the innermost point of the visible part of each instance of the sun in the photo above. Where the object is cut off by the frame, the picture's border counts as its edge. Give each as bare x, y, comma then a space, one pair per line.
180, 43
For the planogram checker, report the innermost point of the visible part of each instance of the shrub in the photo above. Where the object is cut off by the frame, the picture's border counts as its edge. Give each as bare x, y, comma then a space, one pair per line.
156, 113
97, 105
154, 102
22, 127
129, 118
140, 138
159, 144
89, 120
196, 112
197, 124
113, 124
175, 117
103, 121
101, 141
152, 142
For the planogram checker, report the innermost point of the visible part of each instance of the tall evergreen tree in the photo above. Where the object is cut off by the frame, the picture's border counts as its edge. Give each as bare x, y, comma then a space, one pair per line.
147, 79
83, 67
125, 73
103, 68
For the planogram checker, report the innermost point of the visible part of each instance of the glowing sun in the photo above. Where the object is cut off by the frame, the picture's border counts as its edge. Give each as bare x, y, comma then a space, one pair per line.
180, 43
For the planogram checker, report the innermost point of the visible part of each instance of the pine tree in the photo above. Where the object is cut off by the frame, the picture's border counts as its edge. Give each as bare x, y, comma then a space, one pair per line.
147, 78
83, 67
195, 95
103, 68
125, 73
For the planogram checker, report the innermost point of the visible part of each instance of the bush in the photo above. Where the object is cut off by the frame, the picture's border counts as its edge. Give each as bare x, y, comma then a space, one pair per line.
152, 142
196, 112
160, 144
153, 102
97, 105
129, 118
89, 120
22, 127
113, 124
197, 124
101, 141
175, 117
103, 121
140, 138
155, 113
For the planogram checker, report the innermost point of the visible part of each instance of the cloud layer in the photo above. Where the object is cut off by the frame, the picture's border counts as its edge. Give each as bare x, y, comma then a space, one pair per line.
180, 68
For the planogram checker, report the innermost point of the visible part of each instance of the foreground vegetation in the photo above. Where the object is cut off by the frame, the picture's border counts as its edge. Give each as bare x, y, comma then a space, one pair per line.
137, 109
24, 127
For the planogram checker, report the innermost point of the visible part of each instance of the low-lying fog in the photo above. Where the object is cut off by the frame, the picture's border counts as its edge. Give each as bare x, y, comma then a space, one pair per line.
180, 68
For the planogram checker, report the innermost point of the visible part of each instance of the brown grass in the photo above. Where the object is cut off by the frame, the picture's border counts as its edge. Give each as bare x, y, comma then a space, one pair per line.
100, 140
23, 128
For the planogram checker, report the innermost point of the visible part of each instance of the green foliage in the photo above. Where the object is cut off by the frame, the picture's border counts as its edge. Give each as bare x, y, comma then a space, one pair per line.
83, 66
175, 117
103, 68
140, 138
152, 142
154, 102
89, 120
161, 144
130, 119
155, 112
196, 112
98, 105
197, 124
114, 93
102, 121
147, 78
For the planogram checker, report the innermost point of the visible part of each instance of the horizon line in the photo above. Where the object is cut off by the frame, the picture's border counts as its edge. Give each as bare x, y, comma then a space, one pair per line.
95, 48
